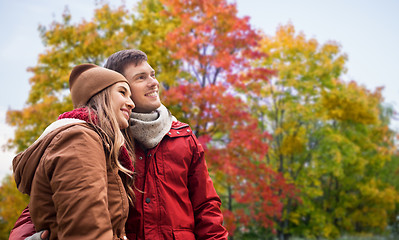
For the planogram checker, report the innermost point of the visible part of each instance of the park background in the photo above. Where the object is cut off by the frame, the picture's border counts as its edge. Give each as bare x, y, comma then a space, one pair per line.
364, 35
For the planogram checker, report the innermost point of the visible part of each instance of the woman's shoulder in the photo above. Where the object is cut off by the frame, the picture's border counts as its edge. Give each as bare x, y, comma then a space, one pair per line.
83, 128
82, 131
81, 136
76, 140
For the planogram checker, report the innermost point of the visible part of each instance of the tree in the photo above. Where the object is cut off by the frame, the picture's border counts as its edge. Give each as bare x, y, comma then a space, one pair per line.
216, 49
389, 176
66, 45
328, 138
150, 28
12, 202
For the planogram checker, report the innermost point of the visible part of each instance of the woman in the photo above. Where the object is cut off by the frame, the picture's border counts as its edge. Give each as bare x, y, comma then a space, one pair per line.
78, 173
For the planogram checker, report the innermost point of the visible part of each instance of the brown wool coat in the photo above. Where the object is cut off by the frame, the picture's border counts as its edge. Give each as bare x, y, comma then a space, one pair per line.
73, 190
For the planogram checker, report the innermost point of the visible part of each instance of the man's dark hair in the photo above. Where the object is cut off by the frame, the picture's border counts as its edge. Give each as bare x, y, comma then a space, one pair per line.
119, 60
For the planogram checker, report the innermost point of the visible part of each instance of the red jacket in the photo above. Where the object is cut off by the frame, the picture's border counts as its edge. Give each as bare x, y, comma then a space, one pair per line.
177, 199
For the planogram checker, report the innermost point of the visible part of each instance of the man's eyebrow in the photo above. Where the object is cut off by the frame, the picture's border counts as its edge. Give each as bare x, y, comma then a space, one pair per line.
140, 73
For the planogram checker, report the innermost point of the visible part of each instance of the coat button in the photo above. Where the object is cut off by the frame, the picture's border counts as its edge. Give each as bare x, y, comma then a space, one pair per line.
148, 200
188, 130
178, 132
140, 158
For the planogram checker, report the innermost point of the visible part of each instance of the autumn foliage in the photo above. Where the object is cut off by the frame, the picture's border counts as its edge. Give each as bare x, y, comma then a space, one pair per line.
12, 202
292, 149
216, 48
330, 138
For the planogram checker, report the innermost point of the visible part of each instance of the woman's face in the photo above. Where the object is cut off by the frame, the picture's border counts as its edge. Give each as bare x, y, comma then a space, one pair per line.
121, 103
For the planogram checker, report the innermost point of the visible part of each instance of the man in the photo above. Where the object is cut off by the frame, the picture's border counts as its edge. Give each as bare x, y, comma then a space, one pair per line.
175, 197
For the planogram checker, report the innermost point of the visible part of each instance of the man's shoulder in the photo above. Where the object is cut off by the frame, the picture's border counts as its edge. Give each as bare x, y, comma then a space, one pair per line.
179, 129
177, 124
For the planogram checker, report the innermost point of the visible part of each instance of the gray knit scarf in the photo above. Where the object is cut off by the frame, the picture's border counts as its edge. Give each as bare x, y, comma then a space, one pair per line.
149, 128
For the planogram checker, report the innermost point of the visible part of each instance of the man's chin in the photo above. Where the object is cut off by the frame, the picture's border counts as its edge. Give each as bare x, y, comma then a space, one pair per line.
148, 109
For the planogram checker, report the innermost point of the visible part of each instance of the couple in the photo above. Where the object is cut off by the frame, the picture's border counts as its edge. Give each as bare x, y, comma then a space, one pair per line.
172, 196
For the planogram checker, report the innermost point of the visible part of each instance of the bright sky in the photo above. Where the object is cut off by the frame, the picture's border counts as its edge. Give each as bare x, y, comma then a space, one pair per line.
367, 30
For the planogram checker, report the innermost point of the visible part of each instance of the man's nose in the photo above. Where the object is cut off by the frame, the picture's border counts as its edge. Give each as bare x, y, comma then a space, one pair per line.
153, 81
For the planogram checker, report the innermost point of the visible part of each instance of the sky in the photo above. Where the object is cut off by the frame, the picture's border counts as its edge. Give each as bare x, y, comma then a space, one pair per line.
367, 30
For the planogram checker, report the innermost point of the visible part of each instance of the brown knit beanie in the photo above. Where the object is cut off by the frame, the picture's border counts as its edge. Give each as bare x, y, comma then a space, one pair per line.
86, 80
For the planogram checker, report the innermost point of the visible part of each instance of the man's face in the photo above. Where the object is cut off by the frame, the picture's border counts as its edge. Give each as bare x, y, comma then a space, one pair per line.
145, 87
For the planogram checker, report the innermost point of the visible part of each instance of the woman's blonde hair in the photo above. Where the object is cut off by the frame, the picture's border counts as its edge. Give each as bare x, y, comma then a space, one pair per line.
100, 105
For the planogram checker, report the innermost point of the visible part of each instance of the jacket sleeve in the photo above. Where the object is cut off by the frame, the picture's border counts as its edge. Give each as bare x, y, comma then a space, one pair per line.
205, 200
23, 227
77, 171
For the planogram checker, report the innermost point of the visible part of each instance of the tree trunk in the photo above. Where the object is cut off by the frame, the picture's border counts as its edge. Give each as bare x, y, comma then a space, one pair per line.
230, 203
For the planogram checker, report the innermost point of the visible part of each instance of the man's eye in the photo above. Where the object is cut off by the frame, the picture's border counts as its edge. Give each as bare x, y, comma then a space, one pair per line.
123, 93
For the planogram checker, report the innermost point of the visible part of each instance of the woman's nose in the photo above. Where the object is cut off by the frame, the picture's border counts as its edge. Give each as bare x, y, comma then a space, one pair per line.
130, 104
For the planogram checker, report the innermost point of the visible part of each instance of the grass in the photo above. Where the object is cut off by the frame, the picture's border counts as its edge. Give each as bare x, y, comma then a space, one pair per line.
358, 238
